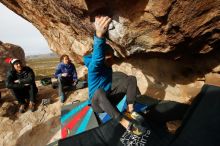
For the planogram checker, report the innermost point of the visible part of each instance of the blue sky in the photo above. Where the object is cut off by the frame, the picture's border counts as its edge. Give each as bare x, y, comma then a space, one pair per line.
16, 30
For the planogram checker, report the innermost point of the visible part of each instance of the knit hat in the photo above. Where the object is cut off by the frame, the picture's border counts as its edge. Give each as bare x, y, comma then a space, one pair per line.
13, 61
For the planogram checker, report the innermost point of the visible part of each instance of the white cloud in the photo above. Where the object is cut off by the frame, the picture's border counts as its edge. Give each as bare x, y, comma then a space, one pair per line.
16, 30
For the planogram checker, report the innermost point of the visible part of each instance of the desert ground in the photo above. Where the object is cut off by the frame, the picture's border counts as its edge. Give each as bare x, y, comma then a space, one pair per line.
26, 129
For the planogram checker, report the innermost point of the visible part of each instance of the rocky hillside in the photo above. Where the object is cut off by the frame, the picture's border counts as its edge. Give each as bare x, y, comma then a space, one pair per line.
9, 51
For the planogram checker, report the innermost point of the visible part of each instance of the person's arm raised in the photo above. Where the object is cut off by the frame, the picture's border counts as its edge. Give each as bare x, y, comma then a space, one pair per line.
101, 26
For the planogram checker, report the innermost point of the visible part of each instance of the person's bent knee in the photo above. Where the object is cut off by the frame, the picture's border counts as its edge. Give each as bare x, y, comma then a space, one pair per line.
98, 93
132, 79
96, 108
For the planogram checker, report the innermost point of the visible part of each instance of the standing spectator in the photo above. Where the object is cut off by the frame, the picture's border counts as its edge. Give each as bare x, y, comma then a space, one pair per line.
21, 80
66, 75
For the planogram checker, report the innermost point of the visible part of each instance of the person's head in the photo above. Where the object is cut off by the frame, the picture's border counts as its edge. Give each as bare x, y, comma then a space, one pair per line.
16, 65
65, 59
109, 55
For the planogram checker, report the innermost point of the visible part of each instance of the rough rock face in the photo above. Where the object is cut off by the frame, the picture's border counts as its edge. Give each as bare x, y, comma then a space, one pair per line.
171, 44
11, 51
172, 79
138, 25
20, 129
33, 129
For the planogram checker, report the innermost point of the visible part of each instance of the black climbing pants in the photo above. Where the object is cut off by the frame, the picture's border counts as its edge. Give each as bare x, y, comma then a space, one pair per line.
28, 92
64, 82
106, 102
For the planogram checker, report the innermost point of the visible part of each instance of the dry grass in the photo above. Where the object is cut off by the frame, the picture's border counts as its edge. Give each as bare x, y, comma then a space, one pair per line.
43, 67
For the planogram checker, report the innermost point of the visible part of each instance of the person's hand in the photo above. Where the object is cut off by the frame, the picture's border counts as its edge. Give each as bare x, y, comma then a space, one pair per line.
17, 81
75, 82
101, 25
64, 74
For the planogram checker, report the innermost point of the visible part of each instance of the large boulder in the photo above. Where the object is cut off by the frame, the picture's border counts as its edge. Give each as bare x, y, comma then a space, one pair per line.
171, 46
178, 39
9, 51
138, 26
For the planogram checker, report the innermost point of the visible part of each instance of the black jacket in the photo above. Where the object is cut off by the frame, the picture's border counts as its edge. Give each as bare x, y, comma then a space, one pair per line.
26, 76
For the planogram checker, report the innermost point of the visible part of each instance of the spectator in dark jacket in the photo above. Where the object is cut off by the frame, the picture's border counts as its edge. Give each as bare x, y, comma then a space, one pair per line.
21, 80
66, 75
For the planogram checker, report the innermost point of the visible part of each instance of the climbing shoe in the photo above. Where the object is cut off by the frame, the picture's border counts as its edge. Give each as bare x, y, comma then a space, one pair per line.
135, 116
136, 129
138, 117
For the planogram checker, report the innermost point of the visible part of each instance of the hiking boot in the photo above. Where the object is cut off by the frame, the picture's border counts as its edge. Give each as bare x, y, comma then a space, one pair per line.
22, 108
32, 106
136, 129
138, 117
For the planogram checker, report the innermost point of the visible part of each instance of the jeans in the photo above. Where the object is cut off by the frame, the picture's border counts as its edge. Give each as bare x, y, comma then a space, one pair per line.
63, 82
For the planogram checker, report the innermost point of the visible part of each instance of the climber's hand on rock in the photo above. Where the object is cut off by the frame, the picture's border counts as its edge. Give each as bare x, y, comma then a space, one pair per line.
101, 25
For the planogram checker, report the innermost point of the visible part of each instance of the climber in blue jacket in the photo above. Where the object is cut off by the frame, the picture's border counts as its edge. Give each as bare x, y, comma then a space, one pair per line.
66, 75
102, 96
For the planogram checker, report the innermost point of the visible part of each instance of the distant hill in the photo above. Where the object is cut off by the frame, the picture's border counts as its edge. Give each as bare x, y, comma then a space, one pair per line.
50, 55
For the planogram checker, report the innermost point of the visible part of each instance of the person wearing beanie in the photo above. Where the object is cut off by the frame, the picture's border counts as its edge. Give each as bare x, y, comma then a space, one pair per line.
21, 80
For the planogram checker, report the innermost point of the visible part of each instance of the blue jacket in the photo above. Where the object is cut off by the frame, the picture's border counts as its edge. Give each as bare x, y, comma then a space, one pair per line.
99, 75
66, 68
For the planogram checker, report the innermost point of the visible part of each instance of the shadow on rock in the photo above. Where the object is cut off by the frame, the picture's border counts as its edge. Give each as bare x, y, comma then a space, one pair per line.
46, 93
41, 134
10, 111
